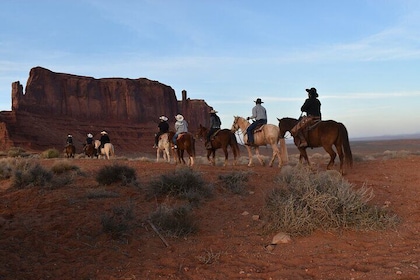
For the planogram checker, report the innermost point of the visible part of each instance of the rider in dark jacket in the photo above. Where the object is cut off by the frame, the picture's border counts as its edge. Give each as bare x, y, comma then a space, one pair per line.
69, 140
215, 124
163, 127
312, 108
104, 139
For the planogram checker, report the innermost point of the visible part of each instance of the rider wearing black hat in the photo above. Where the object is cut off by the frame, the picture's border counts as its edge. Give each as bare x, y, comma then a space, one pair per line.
312, 108
260, 115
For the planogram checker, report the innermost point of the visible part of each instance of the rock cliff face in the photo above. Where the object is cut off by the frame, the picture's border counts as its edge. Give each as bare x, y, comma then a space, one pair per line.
56, 104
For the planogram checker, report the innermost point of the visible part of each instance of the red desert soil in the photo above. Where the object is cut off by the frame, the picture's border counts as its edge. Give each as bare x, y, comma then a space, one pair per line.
57, 234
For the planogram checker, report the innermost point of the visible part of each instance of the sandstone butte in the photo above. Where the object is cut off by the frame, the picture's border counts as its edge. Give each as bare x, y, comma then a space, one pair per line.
54, 105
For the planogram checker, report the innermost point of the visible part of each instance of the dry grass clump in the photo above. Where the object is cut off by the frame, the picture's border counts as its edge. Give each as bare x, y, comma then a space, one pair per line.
308, 201
119, 222
235, 181
50, 153
31, 175
17, 152
174, 221
110, 174
64, 167
183, 183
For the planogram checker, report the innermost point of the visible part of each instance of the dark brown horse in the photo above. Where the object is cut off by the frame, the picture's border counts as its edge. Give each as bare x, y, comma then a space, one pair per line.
323, 134
90, 150
185, 142
70, 150
222, 139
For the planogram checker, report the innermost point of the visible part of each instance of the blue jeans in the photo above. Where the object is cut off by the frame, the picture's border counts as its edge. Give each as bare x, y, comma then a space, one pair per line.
251, 128
174, 138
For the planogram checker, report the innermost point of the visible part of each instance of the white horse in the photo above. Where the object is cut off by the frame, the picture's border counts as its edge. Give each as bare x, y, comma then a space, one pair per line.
268, 134
164, 147
107, 150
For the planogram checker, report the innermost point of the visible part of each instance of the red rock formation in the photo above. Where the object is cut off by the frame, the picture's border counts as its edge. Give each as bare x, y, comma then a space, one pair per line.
55, 104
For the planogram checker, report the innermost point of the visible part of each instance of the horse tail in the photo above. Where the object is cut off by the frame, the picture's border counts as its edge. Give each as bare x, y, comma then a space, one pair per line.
193, 145
283, 148
234, 145
348, 157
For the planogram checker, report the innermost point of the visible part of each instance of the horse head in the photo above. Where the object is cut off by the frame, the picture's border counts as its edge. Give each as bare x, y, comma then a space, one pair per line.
286, 124
239, 123
201, 132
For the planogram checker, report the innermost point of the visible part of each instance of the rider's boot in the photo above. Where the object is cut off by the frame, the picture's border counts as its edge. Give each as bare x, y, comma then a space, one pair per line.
301, 140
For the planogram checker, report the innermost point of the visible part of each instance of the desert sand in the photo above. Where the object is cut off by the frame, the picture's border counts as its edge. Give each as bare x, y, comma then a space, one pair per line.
57, 234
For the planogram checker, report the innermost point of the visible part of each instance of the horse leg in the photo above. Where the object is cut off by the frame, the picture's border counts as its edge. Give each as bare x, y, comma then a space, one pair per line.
332, 154
191, 157
168, 155
249, 155
210, 152
257, 152
276, 152
303, 156
341, 157
157, 154
226, 155
182, 156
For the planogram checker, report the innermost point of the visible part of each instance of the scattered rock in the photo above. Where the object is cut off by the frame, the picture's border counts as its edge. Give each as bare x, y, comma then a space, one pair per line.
281, 237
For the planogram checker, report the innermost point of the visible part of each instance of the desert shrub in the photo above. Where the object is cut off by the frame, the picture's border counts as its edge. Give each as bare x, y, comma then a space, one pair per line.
6, 168
50, 153
183, 183
174, 222
235, 182
17, 152
31, 175
308, 201
119, 222
116, 173
63, 167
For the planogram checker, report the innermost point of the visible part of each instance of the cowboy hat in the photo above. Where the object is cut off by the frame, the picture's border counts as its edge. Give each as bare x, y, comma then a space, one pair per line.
213, 112
69, 135
258, 101
89, 135
104, 132
179, 117
163, 118
312, 92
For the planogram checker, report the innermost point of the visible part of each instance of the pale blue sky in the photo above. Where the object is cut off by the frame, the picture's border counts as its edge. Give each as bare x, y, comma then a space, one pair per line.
363, 56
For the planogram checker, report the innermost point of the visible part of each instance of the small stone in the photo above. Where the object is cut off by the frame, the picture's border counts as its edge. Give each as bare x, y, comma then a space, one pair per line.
255, 217
281, 237
270, 247
245, 213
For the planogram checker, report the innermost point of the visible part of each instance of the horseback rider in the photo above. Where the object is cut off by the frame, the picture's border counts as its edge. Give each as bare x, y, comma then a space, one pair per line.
69, 140
104, 139
215, 124
181, 126
163, 128
312, 108
259, 113
89, 139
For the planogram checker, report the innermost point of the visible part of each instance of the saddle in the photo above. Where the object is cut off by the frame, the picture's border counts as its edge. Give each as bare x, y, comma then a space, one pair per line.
305, 124
214, 133
258, 128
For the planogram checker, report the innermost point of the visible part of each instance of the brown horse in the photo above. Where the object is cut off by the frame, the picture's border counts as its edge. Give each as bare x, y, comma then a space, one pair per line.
70, 150
221, 139
90, 150
323, 134
185, 142
268, 134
